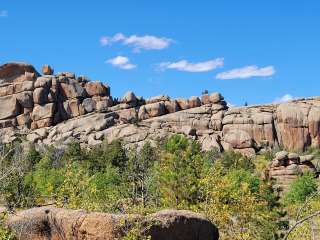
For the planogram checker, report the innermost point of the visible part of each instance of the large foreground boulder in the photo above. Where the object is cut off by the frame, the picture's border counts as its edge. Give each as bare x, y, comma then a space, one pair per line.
59, 224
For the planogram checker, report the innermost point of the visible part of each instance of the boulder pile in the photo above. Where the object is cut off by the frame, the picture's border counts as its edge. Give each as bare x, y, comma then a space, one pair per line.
33, 101
287, 167
59, 108
59, 224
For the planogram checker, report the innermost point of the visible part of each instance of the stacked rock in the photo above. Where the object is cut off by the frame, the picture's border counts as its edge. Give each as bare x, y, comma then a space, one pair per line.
192, 102
34, 101
16, 100
287, 167
218, 107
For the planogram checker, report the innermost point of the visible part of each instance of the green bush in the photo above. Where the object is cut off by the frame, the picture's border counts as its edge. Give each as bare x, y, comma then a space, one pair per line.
300, 189
234, 160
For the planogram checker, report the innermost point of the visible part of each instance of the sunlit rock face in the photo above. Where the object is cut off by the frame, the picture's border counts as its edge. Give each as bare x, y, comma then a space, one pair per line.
287, 167
59, 224
60, 108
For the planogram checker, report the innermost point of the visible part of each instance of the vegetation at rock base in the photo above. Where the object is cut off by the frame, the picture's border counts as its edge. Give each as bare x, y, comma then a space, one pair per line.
227, 188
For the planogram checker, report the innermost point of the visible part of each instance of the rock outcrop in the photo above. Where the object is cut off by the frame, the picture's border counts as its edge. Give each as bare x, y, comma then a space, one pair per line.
55, 109
59, 224
287, 167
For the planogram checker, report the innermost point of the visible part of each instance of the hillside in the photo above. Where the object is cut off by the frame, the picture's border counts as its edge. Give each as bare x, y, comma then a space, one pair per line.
77, 163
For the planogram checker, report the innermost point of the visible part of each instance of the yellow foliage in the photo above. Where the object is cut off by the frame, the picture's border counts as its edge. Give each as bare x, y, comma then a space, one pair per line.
310, 229
237, 211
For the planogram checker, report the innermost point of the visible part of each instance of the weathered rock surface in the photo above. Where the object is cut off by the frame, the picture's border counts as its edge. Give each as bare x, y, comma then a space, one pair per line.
287, 167
59, 224
86, 109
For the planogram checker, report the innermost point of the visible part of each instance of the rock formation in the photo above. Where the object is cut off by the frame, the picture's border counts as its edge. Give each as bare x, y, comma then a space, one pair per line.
56, 109
287, 167
59, 224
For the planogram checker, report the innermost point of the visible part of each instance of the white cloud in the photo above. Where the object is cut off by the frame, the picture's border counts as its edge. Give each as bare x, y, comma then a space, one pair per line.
146, 42
284, 98
104, 41
186, 66
247, 72
121, 62
3, 13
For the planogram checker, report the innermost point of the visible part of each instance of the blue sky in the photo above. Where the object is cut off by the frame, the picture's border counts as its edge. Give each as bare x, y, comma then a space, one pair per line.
250, 51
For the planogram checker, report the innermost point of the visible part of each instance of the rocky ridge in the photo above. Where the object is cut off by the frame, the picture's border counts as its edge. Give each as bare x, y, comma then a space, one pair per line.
57, 109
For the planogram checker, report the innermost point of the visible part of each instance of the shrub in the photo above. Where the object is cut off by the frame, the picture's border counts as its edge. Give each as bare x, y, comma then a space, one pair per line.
106, 155
234, 160
300, 189
236, 202
5, 233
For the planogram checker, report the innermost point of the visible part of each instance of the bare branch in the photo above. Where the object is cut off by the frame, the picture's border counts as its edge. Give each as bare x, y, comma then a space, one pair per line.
300, 222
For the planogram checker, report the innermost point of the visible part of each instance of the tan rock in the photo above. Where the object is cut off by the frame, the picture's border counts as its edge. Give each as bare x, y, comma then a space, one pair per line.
127, 115
238, 139
24, 119
47, 69
171, 106
183, 103
194, 102
43, 82
6, 90
43, 111
129, 97
77, 224
16, 72
97, 89
23, 86
9, 107
210, 142
72, 90
47, 122
40, 95
314, 125
215, 97
292, 125
25, 99
205, 99
155, 109
161, 98
71, 107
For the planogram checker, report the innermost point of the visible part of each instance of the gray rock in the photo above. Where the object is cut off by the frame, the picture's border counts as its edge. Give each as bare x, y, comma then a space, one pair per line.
283, 155
40, 95
215, 97
129, 97
89, 105
306, 158
25, 99
43, 82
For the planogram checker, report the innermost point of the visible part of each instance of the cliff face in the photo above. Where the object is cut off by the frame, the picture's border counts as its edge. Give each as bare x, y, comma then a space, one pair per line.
55, 109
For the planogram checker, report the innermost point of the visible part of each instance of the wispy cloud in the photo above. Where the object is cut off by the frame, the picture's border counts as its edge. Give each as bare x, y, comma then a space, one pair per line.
121, 62
186, 66
284, 98
247, 72
3, 13
146, 42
